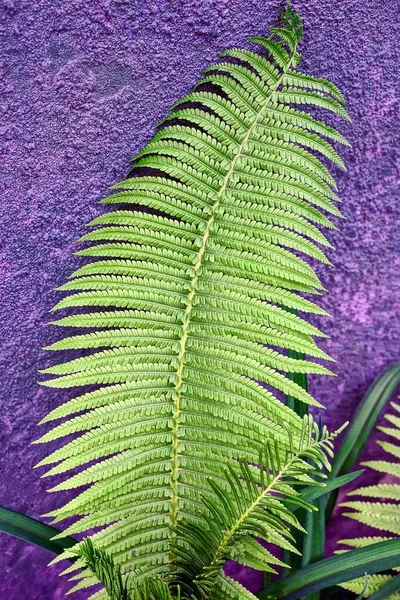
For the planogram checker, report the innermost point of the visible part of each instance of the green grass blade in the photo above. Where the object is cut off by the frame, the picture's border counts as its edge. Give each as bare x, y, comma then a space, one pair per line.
334, 570
362, 424
364, 420
314, 541
311, 493
33, 531
387, 590
301, 379
291, 559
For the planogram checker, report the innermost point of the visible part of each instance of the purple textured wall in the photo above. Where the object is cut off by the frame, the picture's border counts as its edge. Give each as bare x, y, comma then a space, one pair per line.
83, 84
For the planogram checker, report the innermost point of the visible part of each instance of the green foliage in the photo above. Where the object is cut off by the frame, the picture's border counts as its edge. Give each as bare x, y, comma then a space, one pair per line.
380, 507
190, 301
240, 513
387, 589
103, 567
117, 586
31, 530
364, 420
362, 424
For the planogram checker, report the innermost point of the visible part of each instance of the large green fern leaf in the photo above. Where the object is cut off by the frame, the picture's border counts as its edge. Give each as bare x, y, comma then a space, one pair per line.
187, 298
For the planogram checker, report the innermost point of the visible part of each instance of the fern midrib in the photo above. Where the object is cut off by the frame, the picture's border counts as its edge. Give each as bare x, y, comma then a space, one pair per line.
186, 321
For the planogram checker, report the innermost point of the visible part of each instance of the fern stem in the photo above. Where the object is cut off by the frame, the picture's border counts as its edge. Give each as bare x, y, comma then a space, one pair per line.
236, 526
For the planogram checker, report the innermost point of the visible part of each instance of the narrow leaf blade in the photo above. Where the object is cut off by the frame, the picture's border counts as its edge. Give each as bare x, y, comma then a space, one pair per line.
362, 424
33, 531
309, 494
334, 570
365, 418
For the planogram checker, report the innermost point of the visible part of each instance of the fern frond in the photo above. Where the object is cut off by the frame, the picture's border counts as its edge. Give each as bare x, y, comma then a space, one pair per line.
229, 589
248, 505
383, 514
115, 584
188, 300
102, 566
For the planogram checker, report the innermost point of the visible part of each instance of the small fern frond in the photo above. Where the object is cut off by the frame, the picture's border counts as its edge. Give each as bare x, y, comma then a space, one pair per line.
189, 302
229, 589
248, 505
383, 513
117, 586
102, 566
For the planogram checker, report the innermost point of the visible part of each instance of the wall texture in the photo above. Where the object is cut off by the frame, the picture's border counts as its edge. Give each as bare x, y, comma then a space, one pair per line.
83, 84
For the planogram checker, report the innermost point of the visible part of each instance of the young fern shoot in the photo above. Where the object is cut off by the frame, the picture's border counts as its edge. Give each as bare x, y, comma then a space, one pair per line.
190, 302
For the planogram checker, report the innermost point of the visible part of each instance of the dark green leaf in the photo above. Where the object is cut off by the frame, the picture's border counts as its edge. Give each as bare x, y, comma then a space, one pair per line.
312, 493
365, 418
363, 422
314, 541
301, 379
290, 558
33, 531
333, 570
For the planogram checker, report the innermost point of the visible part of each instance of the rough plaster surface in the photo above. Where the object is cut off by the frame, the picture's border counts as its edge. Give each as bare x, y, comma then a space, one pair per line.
83, 85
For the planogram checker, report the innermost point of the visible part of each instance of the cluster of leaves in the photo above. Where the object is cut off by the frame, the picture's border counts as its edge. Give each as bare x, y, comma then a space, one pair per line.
204, 283
116, 585
315, 577
191, 299
247, 503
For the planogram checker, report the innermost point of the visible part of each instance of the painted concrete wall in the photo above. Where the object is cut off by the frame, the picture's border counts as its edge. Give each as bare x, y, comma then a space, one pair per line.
84, 85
